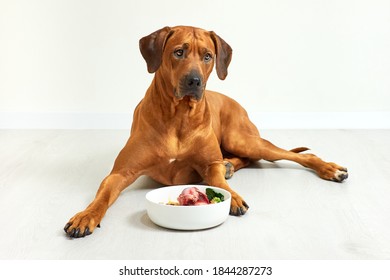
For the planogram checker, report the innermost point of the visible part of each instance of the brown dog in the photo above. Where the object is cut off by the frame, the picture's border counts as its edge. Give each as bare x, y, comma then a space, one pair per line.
182, 133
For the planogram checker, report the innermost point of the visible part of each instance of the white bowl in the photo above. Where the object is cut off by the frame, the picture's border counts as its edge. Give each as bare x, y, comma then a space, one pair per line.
186, 217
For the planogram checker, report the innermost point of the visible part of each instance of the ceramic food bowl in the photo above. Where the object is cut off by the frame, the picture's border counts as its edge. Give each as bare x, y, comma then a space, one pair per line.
186, 217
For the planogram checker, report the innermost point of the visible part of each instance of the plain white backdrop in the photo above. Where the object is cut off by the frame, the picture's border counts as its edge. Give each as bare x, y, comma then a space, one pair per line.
296, 64
76, 64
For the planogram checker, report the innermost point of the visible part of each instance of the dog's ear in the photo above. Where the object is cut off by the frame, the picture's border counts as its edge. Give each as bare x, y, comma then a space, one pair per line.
152, 47
224, 55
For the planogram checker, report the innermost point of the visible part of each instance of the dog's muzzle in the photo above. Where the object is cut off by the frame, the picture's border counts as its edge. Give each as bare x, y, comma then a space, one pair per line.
191, 85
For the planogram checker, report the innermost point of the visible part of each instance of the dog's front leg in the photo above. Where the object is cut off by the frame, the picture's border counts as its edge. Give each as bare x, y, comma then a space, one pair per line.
130, 163
84, 223
215, 176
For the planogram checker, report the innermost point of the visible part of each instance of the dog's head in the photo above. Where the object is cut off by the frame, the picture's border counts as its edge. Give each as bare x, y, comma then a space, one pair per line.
185, 57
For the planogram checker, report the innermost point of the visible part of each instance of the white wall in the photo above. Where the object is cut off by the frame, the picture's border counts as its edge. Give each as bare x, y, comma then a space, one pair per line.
75, 60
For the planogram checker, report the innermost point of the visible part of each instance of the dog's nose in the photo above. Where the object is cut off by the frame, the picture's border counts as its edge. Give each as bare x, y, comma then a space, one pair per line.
193, 81
191, 85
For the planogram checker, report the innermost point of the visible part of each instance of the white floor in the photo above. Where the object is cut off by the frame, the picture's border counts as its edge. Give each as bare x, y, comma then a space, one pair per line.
47, 176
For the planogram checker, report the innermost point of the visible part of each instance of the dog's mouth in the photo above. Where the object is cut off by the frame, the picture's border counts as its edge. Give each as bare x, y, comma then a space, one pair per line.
194, 96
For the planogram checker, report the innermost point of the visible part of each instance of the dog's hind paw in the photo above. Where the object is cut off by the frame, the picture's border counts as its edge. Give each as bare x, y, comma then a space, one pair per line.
229, 169
333, 172
340, 175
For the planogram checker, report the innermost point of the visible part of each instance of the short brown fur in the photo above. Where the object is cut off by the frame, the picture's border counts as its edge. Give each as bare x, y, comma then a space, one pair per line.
184, 134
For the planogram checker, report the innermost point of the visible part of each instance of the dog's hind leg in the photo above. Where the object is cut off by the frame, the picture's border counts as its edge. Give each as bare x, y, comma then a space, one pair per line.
256, 148
233, 164
325, 170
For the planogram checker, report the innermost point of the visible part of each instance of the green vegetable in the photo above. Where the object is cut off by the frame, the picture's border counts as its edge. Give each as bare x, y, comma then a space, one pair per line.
213, 196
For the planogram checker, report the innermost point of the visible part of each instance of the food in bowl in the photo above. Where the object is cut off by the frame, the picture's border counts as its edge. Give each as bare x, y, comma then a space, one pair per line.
183, 217
192, 196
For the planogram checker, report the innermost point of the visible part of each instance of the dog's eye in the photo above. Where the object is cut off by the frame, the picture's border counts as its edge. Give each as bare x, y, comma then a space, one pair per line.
179, 53
207, 57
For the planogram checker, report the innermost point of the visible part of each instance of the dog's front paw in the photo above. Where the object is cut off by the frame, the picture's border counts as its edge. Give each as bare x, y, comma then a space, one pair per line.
82, 224
238, 206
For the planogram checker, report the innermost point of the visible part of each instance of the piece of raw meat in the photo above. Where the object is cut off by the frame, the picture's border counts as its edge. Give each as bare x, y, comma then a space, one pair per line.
192, 196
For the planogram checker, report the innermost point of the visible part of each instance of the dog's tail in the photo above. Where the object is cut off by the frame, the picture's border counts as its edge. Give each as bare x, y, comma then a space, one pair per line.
299, 150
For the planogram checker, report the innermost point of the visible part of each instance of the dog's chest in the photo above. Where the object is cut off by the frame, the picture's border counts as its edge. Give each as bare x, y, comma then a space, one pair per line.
175, 161
177, 146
